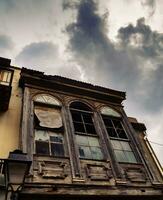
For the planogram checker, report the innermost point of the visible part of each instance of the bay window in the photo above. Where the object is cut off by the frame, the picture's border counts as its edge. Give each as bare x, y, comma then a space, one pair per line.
48, 126
85, 134
117, 135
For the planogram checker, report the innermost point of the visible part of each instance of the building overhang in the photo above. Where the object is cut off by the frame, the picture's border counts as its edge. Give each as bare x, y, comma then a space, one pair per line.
58, 83
90, 192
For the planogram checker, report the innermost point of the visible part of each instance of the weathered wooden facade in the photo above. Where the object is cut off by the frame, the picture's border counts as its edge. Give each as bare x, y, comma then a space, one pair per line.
82, 144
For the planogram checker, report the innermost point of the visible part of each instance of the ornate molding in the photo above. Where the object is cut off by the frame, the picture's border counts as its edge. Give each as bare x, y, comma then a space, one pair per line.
98, 172
52, 169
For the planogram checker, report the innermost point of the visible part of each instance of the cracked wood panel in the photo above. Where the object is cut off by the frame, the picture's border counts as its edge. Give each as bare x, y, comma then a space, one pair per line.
135, 173
97, 172
47, 170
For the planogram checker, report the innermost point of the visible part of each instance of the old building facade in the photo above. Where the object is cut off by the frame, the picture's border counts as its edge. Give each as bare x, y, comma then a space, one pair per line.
81, 142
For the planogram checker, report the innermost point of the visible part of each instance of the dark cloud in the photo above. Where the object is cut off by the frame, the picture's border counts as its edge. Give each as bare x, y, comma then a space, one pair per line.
66, 4
122, 65
153, 100
147, 42
6, 43
45, 56
132, 64
38, 54
93, 49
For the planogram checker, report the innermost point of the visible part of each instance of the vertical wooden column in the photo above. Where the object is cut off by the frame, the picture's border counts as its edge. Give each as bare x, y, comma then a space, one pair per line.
117, 171
137, 147
25, 120
26, 133
73, 152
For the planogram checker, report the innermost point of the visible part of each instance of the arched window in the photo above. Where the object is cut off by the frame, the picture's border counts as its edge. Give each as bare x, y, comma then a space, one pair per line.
117, 134
48, 126
47, 99
85, 133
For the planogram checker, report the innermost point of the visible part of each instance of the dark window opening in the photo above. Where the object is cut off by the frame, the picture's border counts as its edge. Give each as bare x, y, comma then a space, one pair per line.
49, 143
114, 127
83, 122
79, 105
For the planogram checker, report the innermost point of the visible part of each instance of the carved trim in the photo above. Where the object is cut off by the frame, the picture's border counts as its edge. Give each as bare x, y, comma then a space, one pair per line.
104, 174
135, 174
52, 169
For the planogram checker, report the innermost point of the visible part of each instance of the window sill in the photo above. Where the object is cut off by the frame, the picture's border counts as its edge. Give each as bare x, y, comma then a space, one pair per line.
120, 139
43, 155
128, 163
86, 134
102, 160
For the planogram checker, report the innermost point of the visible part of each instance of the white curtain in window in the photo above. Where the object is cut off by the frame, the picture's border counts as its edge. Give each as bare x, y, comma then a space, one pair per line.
50, 118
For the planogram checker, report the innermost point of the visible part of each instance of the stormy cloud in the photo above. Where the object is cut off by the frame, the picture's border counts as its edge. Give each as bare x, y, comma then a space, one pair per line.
42, 54
132, 63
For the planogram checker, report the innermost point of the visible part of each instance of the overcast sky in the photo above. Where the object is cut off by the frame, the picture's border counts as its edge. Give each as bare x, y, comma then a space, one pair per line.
112, 43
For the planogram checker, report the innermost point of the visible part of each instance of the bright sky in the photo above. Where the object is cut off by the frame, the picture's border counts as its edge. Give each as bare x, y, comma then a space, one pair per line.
113, 43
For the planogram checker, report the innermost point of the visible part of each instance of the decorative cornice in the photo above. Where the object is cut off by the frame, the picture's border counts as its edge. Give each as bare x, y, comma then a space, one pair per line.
59, 83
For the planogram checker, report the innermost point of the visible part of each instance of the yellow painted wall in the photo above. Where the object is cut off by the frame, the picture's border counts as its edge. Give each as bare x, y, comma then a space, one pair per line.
10, 120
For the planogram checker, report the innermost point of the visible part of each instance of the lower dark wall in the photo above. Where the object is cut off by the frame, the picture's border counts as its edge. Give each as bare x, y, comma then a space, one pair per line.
70, 197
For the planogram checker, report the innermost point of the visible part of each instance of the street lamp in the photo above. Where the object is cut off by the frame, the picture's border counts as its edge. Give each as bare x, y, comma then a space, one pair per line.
16, 167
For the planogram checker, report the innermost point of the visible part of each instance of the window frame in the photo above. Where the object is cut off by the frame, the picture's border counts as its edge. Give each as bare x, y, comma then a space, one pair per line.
9, 71
85, 134
120, 139
36, 127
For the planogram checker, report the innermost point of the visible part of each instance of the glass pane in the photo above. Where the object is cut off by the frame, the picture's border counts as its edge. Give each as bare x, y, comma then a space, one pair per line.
108, 122
85, 152
93, 141
90, 129
96, 153
109, 111
5, 77
111, 132
87, 118
80, 106
121, 134
56, 138
42, 148
43, 98
125, 146
120, 156
8, 77
117, 124
79, 127
81, 152
130, 157
82, 140
57, 149
116, 144
76, 116
41, 135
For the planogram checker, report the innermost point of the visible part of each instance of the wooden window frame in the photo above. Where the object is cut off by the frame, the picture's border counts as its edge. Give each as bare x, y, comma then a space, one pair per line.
60, 131
118, 138
6, 83
86, 133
